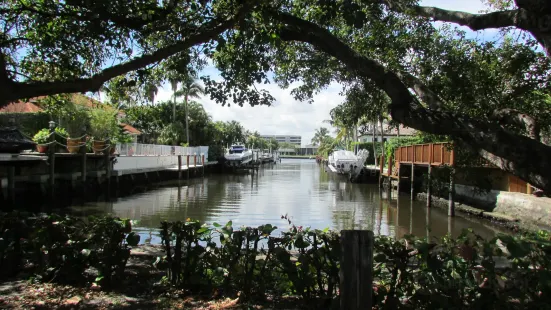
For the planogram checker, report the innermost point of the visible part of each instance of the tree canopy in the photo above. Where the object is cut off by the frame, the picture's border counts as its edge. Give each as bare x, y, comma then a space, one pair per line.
492, 97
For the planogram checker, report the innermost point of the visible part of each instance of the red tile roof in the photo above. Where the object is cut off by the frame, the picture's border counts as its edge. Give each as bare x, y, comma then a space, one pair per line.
130, 129
20, 107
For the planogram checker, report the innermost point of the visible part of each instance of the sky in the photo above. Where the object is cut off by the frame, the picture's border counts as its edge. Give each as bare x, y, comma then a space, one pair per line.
288, 116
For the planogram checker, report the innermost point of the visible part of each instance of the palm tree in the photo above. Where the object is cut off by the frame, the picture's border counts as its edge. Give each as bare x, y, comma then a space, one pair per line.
320, 135
190, 89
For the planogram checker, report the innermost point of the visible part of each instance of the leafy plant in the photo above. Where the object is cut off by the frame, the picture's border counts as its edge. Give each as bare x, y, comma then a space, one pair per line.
75, 119
42, 137
103, 123
172, 134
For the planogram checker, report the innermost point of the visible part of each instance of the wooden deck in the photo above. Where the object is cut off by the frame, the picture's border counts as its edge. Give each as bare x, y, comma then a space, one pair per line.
429, 154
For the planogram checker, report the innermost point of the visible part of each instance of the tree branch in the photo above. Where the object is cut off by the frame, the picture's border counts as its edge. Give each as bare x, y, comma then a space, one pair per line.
20, 90
514, 153
476, 22
533, 16
514, 117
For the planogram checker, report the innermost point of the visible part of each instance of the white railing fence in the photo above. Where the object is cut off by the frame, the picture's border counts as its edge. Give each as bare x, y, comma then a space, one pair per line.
138, 149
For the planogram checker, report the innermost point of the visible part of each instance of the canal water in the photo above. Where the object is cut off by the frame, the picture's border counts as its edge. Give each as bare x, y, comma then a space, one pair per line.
298, 188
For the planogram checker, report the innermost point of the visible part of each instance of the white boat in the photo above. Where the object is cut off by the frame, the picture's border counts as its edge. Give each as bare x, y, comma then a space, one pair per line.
346, 162
238, 155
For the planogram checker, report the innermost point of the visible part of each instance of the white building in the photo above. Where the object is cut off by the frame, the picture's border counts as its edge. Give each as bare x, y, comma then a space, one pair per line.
297, 140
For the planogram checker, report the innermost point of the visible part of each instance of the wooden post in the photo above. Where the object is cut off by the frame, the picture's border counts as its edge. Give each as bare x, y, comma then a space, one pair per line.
52, 159
11, 184
429, 187
187, 165
389, 170
203, 163
451, 203
83, 164
179, 167
412, 179
381, 171
399, 179
356, 278
528, 189
107, 167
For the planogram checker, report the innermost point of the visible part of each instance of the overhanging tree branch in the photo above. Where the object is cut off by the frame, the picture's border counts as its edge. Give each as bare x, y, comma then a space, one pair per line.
514, 153
533, 16
14, 90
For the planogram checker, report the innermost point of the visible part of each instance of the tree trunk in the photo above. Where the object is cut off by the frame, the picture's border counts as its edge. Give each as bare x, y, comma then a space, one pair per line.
187, 116
382, 135
174, 114
517, 154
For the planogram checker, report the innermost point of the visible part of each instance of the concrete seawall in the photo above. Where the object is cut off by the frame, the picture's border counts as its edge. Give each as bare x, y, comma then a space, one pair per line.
513, 210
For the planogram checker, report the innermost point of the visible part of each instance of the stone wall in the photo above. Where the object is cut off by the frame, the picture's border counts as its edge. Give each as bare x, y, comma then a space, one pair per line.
528, 208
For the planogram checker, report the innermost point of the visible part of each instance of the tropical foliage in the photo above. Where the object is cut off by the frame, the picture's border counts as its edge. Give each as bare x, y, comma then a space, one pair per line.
255, 262
490, 96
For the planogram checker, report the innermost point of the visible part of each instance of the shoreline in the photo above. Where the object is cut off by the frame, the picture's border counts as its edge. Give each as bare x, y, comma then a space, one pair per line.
494, 218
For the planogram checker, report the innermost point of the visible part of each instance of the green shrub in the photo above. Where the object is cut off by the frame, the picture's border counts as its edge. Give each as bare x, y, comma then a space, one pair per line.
60, 248
42, 136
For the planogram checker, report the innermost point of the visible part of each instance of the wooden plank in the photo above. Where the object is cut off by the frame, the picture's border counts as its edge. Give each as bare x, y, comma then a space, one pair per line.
356, 277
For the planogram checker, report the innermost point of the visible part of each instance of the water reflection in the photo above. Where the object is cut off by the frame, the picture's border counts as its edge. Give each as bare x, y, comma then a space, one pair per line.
300, 188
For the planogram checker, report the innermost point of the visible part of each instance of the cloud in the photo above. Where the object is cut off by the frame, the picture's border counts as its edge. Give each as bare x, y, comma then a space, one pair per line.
286, 116
291, 117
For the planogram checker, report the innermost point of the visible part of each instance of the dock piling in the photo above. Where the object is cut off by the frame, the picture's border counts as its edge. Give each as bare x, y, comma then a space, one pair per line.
412, 181
429, 187
451, 196
51, 158
356, 275
179, 167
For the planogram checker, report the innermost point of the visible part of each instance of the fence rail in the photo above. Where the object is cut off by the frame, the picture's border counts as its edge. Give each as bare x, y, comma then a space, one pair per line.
138, 149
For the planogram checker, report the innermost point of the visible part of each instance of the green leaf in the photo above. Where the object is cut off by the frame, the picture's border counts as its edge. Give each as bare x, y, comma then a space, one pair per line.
216, 225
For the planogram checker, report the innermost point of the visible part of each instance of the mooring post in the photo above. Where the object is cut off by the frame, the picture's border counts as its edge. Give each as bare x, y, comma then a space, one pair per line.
11, 184
381, 171
451, 206
429, 187
412, 180
451, 196
179, 167
187, 166
399, 178
83, 164
52, 158
356, 278
203, 163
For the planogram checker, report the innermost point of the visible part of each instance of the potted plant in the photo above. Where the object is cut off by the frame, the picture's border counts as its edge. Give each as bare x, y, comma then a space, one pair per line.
75, 119
61, 136
103, 126
42, 138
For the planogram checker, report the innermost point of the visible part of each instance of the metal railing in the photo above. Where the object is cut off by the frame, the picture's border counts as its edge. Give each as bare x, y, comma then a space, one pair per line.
138, 149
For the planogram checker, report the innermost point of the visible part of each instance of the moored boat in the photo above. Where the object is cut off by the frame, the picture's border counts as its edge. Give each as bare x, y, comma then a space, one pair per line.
238, 155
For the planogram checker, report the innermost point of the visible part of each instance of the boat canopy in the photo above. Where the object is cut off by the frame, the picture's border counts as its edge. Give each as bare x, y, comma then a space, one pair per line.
344, 155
